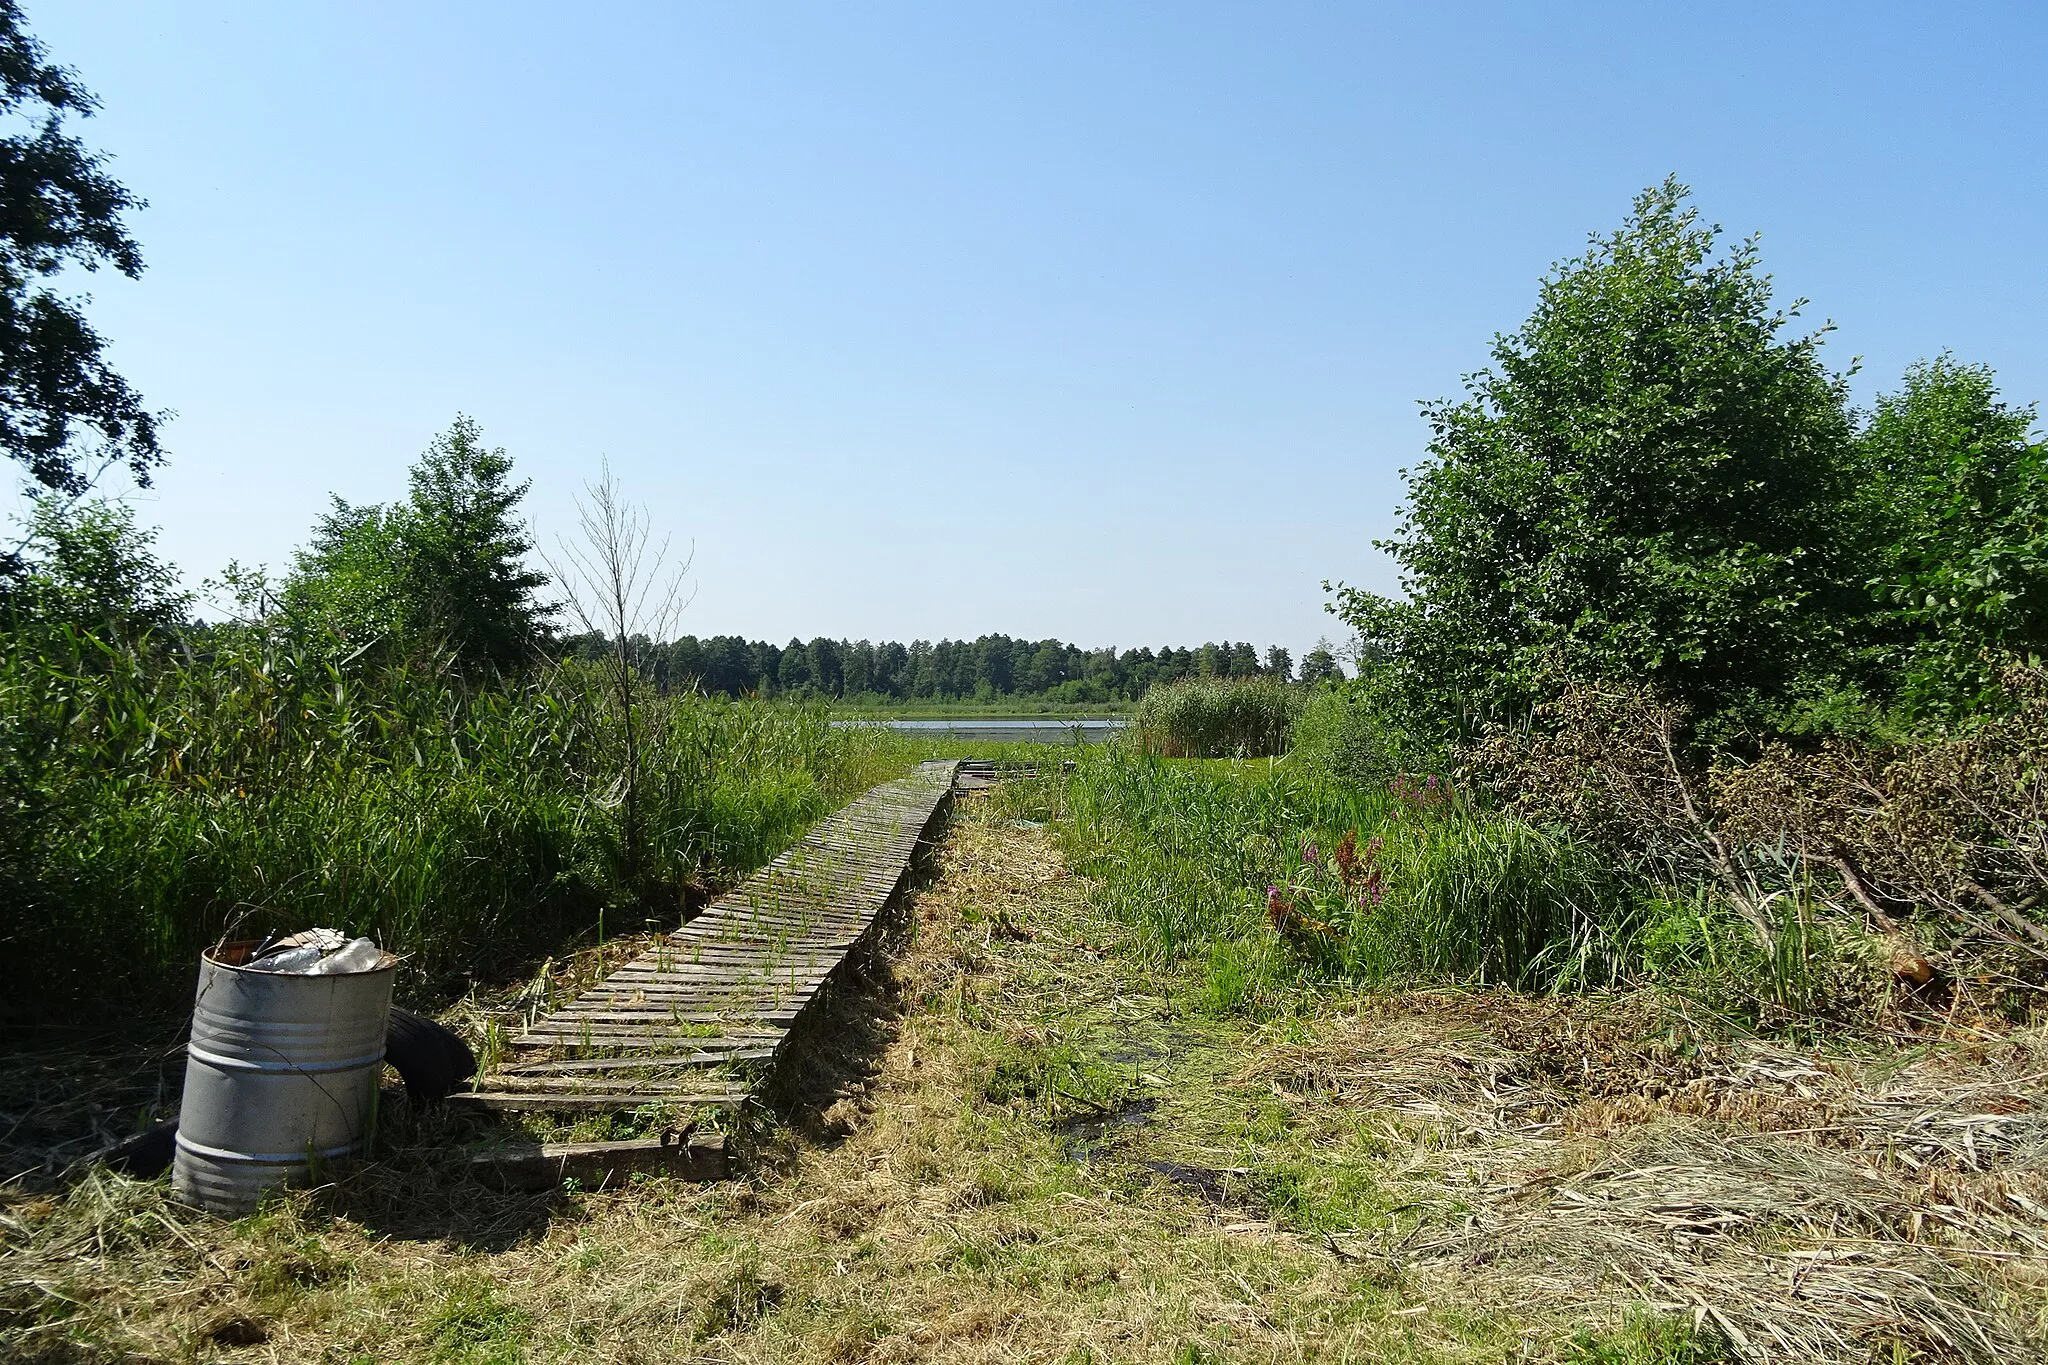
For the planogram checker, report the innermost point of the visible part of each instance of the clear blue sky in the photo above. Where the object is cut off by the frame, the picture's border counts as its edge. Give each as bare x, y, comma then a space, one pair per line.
1099, 321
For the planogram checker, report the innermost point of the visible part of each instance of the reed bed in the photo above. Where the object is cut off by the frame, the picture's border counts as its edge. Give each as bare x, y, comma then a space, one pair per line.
1399, 880
158, 800
1219, 717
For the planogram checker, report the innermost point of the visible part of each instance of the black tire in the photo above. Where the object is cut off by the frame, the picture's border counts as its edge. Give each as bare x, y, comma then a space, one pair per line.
432, 1061
145, 1156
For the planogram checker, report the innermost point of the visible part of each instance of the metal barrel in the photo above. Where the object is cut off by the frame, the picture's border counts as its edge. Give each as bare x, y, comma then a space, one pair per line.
281, 1075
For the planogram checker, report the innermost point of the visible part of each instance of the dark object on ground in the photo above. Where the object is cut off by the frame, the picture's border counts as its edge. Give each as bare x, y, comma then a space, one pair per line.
145, 1156
432, 1061
597, 1165
237, 1329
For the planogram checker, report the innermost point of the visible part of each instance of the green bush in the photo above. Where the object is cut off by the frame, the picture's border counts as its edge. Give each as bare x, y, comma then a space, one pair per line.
1651, 482
1219, 717
1356, 733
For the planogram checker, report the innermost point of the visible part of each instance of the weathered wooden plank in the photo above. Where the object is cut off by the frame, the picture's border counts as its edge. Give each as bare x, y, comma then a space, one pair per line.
653, 1044
646, 1061
515, 1101
774, 1007
740, 977
676, 995
665, 1027
766, 954
597, 1165
667, 1032
606, 1083
841, 906
674, 1007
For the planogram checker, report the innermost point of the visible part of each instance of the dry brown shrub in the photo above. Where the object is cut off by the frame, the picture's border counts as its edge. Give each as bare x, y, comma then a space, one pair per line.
1953, 830
1957, 825
1611, 764
1602, 762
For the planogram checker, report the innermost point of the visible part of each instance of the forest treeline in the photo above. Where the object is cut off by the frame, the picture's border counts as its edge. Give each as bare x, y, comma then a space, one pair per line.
990, 668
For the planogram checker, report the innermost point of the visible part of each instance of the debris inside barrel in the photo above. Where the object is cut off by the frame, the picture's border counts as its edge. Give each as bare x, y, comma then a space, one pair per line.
317, 952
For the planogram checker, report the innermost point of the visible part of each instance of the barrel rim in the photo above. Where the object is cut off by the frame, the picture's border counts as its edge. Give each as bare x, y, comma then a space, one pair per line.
211, 958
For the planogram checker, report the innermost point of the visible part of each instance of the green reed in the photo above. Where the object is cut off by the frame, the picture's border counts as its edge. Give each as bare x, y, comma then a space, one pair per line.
1200, 854
154, 799
1219, 717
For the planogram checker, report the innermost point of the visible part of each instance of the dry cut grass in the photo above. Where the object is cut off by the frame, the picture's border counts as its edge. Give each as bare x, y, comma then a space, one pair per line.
1795, 1206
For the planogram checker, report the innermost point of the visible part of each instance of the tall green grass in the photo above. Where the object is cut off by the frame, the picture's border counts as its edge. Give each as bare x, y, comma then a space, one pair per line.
153, 801
1272, 876
1194, 855
1356, 732
1219, 717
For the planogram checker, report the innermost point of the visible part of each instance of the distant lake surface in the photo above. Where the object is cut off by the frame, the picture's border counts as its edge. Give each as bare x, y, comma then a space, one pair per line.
1008, 729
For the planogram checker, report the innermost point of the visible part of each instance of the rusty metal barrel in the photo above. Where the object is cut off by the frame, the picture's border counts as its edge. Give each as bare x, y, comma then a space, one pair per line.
281, 1077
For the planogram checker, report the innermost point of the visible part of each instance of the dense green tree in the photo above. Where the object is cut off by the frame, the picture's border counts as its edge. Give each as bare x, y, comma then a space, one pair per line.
1319, 665
828, 666
727, 666
1954, 503
87, 567
794, 673
65, 413
857, 669
444, 567
350, 578
765, 666
892, 662
1648, 484
466, 549
998, 663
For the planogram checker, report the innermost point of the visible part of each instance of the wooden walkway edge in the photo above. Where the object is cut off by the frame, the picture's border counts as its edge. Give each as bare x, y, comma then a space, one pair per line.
696, 1018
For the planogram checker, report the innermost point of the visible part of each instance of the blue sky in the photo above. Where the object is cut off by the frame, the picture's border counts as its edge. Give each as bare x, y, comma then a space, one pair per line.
1099, 321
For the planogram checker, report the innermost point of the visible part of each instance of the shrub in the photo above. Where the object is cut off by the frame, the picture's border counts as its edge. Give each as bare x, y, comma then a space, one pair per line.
1219, 718
1357, 733
1650, 483
1934, 842
1955, 824
1954, 498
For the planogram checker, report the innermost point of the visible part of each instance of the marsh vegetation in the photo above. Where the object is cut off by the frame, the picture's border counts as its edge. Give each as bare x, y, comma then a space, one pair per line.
362, 746
1640, 957
1032, 1131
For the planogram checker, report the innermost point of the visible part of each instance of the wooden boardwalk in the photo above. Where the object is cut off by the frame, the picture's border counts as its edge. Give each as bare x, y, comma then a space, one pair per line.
696, 1018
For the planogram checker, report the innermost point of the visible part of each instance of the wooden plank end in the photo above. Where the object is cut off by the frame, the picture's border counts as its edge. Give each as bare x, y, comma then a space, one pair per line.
603, 1165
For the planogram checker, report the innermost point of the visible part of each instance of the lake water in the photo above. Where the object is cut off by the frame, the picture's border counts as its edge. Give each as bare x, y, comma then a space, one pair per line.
1008, 729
